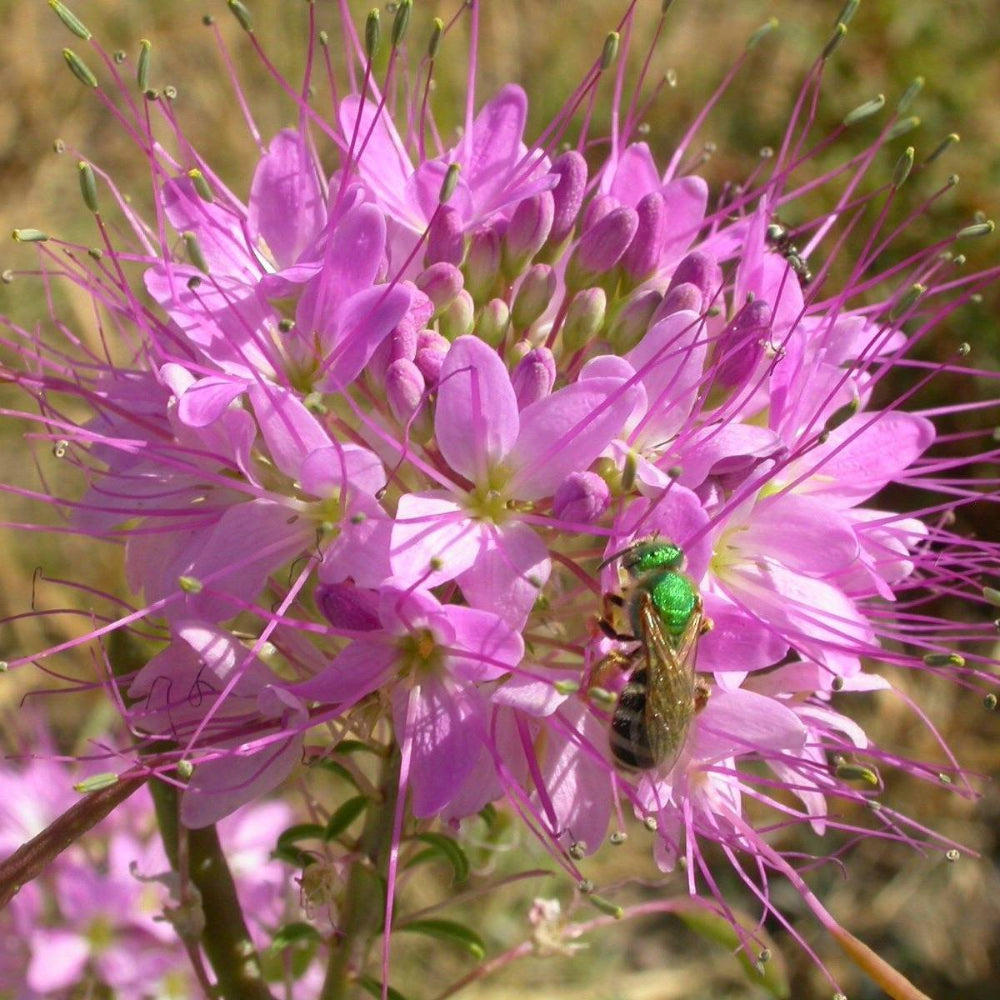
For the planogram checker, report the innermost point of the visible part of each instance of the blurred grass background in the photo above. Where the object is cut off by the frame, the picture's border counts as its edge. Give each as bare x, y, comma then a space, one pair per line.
940, 923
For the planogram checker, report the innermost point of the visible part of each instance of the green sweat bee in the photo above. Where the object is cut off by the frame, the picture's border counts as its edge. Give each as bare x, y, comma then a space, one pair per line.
653, 713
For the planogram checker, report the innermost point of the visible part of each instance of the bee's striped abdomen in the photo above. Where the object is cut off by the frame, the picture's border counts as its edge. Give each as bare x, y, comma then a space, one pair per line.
629, 737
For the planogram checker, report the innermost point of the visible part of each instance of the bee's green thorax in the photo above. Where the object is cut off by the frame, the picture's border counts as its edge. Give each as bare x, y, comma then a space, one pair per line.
675, 598
647, 556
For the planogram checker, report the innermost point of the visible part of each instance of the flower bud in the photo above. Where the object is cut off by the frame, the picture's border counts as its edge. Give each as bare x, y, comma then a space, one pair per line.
441, 283
584, 318
684, 297
534, 376
494, 319
567, 195
601, 247
741, 345
431, 351
348, 607
582, 497
404, 390
482, 263
534, 295
458, 319
527, 232
445, 238
702, 271
597, 208
642, 259
633, 320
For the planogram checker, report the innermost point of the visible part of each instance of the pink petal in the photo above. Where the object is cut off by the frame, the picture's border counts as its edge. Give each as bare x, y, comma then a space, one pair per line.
354, 672
565, 432
360, 550
686, 200
286, 206
476, 420
670, 360
864, 454
635, 175
384, 164
737, 641
57, 960
329, 470
430, 528
803, 534
207, 399
290, 430
445, 736
218, 229
364, 322
734, 723
486, 647
511, 567
220, 786
494, 145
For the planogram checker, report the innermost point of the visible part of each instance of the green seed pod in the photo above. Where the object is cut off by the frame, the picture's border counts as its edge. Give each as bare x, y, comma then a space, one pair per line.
79, 68
88, 186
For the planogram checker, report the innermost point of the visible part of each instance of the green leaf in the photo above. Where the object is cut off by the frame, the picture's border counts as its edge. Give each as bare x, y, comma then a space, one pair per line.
448, 930
374, 987
354, 746
338, 769
293, 934
293, 856
301, 831
771, 975
344, 817
443, 847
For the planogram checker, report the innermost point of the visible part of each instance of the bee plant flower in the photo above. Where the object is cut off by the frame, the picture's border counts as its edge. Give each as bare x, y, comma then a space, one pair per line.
394, 403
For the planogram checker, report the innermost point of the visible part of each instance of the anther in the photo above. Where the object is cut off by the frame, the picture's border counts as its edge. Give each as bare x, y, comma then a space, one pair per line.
79, 68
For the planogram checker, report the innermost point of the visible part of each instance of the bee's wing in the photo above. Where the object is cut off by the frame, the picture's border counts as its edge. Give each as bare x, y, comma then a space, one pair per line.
671, 681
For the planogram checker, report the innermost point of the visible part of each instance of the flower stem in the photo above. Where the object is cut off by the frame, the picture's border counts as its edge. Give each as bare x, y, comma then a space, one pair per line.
362, 906
226, 939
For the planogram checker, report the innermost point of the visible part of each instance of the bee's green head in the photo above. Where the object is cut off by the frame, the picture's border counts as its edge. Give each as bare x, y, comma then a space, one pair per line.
642, 557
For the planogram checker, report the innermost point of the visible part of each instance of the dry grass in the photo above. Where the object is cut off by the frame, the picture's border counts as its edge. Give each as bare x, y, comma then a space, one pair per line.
938, 922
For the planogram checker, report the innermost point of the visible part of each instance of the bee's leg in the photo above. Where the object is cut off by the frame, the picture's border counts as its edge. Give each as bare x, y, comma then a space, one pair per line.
612, 633
606, 622
702, 692
706, 625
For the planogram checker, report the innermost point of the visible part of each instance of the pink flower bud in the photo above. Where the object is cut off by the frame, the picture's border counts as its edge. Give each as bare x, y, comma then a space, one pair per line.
702, 271
568, 193
348, 607
445, 239
584, 318
527, 232
404, 389
597, 208
582, 497
494, 319
680, 298
643, 255
482, 263
741, 345
440, 282
534, 376
457, 320
601, 247
431, 350
534, 295
633, 321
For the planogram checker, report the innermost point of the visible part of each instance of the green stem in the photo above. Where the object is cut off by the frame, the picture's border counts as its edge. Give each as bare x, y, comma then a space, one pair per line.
226, 939
198, 855
363, 904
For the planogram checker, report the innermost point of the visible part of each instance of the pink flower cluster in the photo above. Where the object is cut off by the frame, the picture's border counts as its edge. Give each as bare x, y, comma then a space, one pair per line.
379, 415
